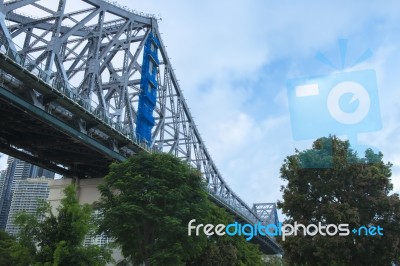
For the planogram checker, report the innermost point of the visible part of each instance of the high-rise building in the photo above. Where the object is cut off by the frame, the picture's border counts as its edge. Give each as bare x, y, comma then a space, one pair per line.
16, 170
2, 180
26, 197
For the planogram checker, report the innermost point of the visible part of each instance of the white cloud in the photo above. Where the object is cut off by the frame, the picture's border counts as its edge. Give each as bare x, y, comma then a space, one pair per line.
215, 45
386, 65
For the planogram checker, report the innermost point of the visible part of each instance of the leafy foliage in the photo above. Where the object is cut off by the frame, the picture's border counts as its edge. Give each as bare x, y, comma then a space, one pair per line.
12, 252
227, 250
57, 239
152, 197
331, 184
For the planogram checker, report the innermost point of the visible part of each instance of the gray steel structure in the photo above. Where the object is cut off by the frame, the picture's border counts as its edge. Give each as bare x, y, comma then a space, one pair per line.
71, 73
266, 212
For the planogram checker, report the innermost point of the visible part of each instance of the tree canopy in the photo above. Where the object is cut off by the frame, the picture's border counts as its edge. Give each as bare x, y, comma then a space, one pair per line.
146, 204
58, 238
152, 197
331, 184
12, 252
226, 251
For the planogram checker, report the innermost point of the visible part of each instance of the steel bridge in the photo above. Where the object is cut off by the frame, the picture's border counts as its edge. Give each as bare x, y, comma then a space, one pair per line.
84, 83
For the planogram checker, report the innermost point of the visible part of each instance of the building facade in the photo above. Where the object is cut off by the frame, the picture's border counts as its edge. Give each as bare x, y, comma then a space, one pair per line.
26, 197
2, 180
16, 170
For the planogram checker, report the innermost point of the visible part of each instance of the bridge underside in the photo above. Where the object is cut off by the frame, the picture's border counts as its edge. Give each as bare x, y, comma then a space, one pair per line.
29, 133
46, 130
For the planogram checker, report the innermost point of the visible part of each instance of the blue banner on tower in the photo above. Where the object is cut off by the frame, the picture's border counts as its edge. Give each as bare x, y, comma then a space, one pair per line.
148, 95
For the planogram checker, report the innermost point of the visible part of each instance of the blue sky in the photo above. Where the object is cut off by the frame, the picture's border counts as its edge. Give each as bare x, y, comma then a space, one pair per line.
233, 59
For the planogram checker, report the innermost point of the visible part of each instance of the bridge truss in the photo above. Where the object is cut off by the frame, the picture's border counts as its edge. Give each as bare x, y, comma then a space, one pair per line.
103, 71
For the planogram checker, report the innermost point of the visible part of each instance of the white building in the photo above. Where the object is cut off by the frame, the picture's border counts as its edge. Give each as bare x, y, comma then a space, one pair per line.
26, 197
16, 170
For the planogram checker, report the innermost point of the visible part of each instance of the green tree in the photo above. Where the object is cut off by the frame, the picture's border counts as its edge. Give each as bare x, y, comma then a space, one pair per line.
272, 260
152, 197
331, 184
226, 250
12, 252
57, 239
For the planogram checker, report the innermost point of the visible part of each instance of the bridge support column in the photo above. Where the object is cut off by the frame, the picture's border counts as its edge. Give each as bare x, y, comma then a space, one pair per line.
86, 189
87, 193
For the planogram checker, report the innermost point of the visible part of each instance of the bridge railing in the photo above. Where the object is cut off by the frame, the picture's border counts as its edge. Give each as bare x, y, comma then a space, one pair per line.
55, 81
247, 216
115, 3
